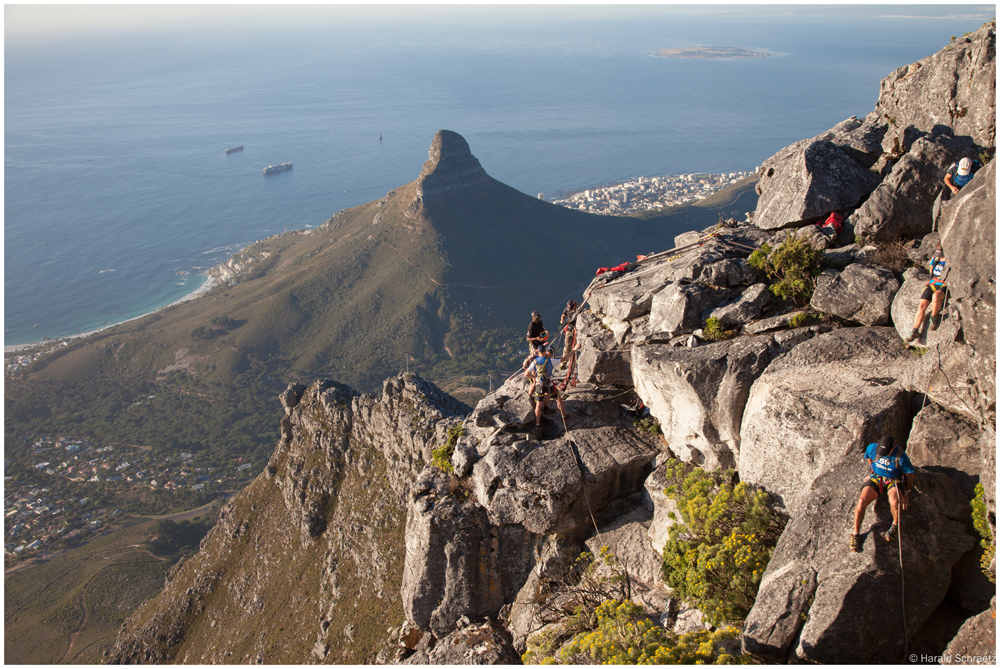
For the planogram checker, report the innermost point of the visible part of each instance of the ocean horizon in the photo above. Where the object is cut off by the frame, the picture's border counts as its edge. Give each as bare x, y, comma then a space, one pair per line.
119, 194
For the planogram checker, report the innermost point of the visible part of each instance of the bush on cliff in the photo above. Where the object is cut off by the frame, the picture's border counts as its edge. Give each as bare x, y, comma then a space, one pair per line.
442, 456
716, 555
625, 635
982, 525
793, 268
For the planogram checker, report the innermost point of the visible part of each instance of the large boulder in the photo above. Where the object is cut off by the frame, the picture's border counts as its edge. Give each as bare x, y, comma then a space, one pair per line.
820, 404
976, 641
680, 308
473, 644
554, 486
821, 603
955, 87
458, 564
627, 537
728, 273
808, 180
600, 358
968, 237
902, 203
627, 298
860, 293
943, 442
698, 394
748, 305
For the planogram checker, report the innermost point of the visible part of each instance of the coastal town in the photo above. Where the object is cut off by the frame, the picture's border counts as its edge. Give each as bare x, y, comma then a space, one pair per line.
39, 518
650, 193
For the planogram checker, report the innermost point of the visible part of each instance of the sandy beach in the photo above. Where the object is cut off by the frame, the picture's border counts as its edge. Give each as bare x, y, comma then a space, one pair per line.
204, 288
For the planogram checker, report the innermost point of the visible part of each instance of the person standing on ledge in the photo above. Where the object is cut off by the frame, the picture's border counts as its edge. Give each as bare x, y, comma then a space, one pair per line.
890, 467
934, 291
542, 387
568, 321
536, 332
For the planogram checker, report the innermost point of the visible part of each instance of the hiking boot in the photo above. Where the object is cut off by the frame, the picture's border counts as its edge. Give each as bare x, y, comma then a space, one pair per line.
855, 543
913, 335
891, 533
935, 322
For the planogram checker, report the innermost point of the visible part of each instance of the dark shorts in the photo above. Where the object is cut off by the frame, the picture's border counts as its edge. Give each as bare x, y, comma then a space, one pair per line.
929, 291
880, 485
550, 390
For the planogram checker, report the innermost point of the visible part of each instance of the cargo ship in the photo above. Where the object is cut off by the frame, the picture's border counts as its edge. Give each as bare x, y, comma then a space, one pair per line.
235, 148
271, 169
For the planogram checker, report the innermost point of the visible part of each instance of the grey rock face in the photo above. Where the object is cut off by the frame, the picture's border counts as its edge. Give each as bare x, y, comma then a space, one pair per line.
698, 394
977, 638
627, 538
861, 140
902, 203
750, 304
475, 644
820, 602
808, 180
729, 273
680, 308
860, 293
450, 166
779, 322
663, 506
954, 87
457, 563
627, 298
820, 404
600, 358
968, 237
943, 442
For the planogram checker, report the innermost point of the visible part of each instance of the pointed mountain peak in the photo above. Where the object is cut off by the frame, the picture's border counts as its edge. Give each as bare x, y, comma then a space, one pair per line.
450, 166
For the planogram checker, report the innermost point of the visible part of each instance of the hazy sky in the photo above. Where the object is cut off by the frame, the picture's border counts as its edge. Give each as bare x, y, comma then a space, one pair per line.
27, 20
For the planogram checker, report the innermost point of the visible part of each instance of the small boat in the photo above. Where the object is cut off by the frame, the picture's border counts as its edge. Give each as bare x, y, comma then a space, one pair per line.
235, 148
271, 169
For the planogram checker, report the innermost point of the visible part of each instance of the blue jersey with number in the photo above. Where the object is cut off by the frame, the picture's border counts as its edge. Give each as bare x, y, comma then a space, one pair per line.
889, 466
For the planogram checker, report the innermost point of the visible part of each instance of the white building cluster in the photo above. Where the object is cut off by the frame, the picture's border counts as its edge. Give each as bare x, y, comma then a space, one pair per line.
650, 193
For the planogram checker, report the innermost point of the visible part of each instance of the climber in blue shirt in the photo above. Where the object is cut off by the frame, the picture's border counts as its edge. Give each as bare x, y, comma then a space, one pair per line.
890, 467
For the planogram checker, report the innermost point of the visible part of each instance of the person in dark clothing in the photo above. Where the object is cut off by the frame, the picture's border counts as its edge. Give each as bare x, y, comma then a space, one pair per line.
536, 331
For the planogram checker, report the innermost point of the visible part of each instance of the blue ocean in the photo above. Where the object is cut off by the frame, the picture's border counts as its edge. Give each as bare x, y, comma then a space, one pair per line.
119, 194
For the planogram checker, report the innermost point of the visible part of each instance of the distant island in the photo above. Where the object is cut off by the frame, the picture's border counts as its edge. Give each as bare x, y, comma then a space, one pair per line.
712, 52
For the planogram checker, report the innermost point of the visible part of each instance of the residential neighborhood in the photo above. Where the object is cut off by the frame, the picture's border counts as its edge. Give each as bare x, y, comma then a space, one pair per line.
39, 518
650, 193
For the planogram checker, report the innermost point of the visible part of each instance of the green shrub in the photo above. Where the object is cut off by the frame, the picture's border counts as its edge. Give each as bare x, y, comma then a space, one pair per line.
647, 425
625, 635
713, 331
441, 457
982, 525
799, 319
758, 259
717, 552
792, 268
